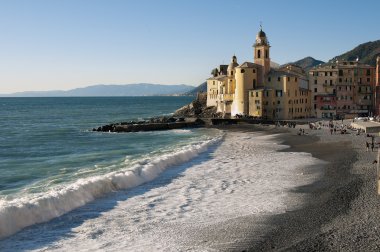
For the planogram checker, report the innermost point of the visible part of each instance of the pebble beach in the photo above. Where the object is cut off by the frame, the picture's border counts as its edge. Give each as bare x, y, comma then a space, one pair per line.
342, 209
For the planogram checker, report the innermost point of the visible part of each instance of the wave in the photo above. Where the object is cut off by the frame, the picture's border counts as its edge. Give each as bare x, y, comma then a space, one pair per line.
20, 213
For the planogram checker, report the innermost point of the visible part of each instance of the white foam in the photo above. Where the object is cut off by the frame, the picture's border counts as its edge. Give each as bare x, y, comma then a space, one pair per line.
20, 213
245, 176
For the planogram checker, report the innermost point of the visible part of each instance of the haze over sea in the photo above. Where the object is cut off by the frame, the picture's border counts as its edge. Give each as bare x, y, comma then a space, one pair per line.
141, 187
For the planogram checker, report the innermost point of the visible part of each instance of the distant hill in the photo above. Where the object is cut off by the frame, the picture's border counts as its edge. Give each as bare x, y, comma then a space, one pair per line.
274, 64
366, 52
141, 89
193, 92
307, 63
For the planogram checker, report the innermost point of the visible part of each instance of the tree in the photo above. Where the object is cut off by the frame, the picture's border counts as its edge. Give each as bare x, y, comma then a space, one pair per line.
214, 72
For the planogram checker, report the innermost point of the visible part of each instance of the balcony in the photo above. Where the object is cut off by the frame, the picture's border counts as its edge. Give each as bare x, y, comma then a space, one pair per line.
226, 97
327, 108
364, 91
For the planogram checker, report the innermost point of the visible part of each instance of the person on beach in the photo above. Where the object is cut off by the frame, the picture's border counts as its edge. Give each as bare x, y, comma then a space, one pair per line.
367, 145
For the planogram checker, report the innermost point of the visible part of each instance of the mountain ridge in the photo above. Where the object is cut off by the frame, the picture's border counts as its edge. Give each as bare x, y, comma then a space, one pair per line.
366, 52
137, 89
307, 63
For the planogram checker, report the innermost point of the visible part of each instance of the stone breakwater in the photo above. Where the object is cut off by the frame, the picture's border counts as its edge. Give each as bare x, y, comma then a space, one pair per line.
152, 125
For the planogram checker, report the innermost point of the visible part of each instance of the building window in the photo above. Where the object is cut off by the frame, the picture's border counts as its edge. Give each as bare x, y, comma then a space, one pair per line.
258, 54
368, 79
242, 71
368, 72
331, 82
254, 70
295, 79
279, 79
288, 78
315, 97
315, 82
278, 102
269, 79
325, 73
315, 106
315, 89
340, 80
266, 54
232, 72
330, 73
305, 100
340, 72
257, 94
254, 83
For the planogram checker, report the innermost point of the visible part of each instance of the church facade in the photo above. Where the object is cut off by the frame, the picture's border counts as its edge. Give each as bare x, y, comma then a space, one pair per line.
255, 89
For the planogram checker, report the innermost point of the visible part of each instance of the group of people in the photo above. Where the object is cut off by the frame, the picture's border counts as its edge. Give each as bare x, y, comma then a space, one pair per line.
372, 145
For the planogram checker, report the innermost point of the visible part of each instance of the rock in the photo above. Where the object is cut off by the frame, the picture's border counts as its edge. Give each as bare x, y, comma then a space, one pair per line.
196, 108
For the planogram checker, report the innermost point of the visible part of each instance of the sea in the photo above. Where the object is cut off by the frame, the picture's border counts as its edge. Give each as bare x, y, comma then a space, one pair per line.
64, 187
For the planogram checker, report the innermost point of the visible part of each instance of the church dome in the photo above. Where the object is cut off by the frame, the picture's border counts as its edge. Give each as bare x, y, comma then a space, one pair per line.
261, 34
233, 64
261, 39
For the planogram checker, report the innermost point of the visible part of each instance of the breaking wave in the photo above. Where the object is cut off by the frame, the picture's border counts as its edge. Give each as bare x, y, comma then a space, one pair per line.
20, 213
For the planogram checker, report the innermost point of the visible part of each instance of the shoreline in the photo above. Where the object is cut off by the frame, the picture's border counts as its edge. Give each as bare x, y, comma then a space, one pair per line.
334, 212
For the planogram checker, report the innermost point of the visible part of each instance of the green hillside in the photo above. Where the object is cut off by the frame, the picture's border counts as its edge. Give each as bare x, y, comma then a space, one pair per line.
366, 52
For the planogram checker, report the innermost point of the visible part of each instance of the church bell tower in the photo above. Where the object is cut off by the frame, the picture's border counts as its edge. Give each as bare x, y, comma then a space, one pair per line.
261, 51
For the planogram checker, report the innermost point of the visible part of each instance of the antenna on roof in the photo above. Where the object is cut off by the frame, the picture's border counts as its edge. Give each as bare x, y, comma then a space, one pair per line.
261, 25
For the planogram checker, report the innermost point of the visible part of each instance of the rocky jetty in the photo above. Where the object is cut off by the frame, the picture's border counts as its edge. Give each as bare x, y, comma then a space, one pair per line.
186, 117
158, 123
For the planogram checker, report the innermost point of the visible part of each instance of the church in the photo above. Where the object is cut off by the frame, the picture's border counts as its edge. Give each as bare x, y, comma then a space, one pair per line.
256, 89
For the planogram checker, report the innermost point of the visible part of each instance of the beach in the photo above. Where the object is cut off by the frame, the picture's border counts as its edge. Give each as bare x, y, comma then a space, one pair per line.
313, 192
342, 209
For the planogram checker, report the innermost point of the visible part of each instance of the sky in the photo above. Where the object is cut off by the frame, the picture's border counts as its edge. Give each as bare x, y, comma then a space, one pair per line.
61, 45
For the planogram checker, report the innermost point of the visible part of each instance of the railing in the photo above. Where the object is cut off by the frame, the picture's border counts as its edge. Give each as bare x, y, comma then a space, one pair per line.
365, 91
327, 108
213, 96
226, 97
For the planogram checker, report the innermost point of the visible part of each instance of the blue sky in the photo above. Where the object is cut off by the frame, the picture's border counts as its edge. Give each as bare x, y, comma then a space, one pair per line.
59, 45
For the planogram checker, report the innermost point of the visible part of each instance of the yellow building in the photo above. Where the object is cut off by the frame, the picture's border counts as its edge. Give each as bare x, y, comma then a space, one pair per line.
256, 89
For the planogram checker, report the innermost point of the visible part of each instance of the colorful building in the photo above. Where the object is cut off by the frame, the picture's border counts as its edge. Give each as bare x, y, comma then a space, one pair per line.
342, 89
256, 89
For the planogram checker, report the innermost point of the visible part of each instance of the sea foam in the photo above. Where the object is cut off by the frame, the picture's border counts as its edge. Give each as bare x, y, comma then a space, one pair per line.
20, 213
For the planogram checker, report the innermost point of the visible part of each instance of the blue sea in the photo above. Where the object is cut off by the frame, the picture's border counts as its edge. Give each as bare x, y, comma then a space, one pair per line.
64, 187
51, 162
